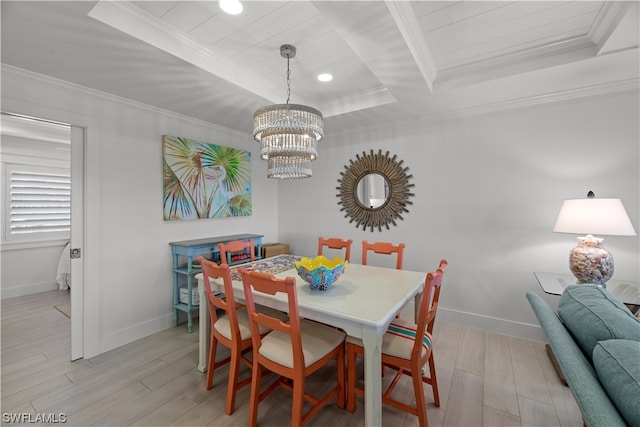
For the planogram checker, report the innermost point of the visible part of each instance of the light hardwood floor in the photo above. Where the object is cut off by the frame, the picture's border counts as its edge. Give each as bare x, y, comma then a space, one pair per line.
485, 379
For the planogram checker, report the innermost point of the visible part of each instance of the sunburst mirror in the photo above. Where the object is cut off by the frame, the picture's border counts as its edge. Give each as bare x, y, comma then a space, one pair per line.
374, 190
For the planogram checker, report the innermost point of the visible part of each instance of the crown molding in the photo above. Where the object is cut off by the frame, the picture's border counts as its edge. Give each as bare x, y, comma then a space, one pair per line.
529, 101
20, 73
606, 22
568, 50
547, 98
626, 85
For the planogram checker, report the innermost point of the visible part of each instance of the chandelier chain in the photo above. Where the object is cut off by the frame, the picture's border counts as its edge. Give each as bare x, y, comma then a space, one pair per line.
288, 80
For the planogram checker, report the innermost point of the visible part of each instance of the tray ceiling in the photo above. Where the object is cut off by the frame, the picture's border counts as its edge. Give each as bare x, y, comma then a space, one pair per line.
391, 60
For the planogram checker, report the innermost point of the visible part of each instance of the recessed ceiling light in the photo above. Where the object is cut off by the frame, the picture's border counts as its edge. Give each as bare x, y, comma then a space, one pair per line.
232, 7
325, 77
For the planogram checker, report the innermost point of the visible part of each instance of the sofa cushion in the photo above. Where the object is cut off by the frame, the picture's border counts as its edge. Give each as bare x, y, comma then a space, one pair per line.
617, 363
595, 405
592, 314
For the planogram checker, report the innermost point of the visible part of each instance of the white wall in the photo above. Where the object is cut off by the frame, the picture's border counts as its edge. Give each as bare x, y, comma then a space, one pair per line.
487, 192
30, 270
128, 279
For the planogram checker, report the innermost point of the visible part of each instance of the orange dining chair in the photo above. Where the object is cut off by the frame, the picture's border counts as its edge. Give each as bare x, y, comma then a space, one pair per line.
230, 328
384, 248
335, 243
292, 350
406, 348
243, 248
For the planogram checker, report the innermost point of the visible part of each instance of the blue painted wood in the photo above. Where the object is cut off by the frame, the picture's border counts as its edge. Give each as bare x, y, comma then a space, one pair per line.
191, 250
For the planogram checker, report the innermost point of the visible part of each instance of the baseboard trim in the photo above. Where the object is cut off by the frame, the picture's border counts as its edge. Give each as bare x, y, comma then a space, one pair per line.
28, 289
135, 332
488, 323
492, 324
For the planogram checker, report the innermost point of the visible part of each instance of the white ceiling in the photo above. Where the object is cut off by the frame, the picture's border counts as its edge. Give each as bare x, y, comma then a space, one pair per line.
391, 60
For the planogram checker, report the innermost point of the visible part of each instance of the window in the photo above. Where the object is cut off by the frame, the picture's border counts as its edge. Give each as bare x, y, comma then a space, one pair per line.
39, 203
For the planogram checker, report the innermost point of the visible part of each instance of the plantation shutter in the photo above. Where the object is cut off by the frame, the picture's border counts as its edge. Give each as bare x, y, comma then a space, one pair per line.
39, 203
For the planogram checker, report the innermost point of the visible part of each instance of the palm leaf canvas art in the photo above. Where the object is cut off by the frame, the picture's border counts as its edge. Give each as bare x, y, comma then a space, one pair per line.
203, 180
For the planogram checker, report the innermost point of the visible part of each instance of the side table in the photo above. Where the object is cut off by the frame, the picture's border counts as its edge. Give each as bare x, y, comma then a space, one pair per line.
190, 249
627, 291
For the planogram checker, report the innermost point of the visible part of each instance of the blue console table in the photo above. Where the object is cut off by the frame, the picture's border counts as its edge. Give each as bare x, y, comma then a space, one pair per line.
190, 250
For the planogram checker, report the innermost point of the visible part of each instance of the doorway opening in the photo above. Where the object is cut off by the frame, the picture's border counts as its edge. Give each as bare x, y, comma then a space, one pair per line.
42, 220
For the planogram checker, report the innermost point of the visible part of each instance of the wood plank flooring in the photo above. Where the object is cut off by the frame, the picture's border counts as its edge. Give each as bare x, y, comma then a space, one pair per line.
485, 379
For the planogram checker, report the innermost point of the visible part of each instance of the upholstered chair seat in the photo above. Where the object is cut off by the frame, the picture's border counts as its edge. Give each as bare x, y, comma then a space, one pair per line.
398, 340
317, 341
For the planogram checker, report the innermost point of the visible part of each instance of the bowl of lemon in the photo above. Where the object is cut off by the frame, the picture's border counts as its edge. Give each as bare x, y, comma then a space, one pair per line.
320, 272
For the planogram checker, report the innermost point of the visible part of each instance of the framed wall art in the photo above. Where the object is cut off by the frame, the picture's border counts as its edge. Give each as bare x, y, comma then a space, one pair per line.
204, 180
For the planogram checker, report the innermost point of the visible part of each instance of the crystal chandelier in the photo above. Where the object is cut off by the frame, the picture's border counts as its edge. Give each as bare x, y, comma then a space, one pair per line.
288, 133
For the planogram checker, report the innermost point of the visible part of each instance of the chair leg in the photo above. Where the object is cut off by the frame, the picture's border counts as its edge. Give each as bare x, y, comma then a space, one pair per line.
298, 402
421, 408
212, 361
232, 385
340, 372
256, 376
434, 381
351, 378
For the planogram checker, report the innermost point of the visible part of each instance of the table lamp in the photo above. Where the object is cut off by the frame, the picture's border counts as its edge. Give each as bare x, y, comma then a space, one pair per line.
590, 262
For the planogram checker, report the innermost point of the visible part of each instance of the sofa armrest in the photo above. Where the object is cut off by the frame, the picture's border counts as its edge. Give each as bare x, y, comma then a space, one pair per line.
594, 403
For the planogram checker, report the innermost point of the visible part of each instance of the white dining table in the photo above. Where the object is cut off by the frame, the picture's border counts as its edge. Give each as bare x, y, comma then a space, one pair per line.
362, 302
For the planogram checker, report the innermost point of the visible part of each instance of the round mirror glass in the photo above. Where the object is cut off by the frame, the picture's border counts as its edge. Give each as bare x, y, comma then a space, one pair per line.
372, 190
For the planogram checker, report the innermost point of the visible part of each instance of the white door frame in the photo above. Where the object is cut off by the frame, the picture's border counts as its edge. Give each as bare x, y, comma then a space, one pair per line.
77, 242
85, 339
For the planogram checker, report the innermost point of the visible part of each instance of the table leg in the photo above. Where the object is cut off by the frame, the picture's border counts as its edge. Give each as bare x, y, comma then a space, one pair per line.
372, 379
203, 331
416, 306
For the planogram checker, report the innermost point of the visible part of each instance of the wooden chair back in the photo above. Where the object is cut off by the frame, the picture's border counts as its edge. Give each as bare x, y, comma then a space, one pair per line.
211, 270
271, 351
427, 313
384, 248
433, 307
335, 243
256, 282
235, 246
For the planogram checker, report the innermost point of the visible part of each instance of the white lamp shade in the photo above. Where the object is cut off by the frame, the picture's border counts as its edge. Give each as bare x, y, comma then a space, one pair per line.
594, 216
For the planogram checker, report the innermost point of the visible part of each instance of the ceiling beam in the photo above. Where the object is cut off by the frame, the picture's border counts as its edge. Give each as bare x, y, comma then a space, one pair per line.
376, 38
138, 23
405, 18
608, 21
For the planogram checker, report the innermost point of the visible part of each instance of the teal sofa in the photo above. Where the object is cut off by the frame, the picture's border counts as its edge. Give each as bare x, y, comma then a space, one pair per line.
596, 341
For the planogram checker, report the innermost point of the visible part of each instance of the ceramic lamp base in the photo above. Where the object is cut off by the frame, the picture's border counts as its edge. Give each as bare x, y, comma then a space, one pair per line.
590, 262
